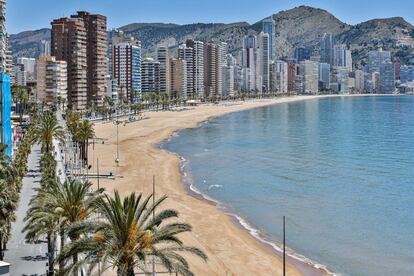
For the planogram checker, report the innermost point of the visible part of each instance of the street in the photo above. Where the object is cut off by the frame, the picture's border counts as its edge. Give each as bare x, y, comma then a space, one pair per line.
25, 258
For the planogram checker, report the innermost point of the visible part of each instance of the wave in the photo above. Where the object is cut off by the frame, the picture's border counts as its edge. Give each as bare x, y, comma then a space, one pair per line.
214, 186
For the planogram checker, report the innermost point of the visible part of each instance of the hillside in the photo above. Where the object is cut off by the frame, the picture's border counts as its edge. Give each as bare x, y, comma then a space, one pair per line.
298, 26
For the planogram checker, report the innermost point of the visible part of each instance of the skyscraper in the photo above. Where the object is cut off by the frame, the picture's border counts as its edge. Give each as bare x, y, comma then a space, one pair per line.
279, 76
69, 44
81, 41
249, 63
387, 77
52, 79
324, 76
211, 72
150, 76
309, 74
163, 59
376, 58
326, 48
359, 81
269, 27
45, 48
301, 53
5, 113
96, 50
264, 62
198, 67
178, 79
127, 69
186, 53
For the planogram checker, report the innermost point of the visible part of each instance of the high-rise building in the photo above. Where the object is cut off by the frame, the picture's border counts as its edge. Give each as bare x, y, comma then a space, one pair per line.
178, 78
127, 69
264, 62
269, 27
279, 77
96, 39
81, 41
407, 74
45, 48
163, 59
186, 53
52, 80
292, 73
18, 76
150, 75
359, 81
211, 86
376, 58
387, 77
309, 73
341, 79
326, 45
29, 67
324, 76
249, 63
69, 44
339, 55
198, 67
301, 53
397, 63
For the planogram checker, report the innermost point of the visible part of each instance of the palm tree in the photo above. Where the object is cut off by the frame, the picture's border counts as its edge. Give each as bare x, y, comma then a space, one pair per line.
21, 98
48, 130
65, 205
40, 222
129, 235
84, 132
9, 197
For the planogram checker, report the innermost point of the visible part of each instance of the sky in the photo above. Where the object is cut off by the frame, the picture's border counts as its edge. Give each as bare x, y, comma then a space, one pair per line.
23, 15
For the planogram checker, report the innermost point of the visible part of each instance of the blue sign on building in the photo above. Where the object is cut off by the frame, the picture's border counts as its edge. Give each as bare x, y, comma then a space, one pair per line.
5, 113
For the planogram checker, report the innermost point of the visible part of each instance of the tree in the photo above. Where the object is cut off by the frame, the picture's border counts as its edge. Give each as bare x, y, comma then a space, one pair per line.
48, 130
84, 132
67, 204
130, 233
21, 98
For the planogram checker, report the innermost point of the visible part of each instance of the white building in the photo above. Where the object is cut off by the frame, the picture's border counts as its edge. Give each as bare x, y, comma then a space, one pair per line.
163, 59
150, 76
186, 53
359, 81
279, 77
264, 63
310, 76
52, 80
29, 67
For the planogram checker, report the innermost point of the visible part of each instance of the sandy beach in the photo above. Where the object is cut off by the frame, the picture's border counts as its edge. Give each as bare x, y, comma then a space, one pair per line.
230, 248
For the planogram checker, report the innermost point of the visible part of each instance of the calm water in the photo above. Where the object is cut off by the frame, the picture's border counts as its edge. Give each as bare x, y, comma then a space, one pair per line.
340, 169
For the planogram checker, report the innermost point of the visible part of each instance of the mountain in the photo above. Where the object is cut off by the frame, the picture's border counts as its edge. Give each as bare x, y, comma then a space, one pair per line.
300, 26
27, 44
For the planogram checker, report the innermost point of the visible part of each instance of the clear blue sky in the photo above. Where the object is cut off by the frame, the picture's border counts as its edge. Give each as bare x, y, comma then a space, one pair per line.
34, 14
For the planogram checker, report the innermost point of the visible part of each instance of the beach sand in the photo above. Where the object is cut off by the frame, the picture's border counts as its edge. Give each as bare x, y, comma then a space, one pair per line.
230, 248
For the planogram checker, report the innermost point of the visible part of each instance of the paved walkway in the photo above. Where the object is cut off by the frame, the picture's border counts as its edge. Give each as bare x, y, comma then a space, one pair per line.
26, 259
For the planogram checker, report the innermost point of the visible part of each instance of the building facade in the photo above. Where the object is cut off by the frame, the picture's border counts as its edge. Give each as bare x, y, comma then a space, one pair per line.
163, 59
127, 69
178, 78
326, 48
81, 41
309, 73
52, 81
269, 27
150, 76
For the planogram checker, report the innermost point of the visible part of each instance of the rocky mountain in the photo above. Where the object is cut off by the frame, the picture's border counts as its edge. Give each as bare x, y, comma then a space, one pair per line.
300, 26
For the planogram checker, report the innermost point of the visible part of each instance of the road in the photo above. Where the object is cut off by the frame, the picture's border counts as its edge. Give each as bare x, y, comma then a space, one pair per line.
25, 258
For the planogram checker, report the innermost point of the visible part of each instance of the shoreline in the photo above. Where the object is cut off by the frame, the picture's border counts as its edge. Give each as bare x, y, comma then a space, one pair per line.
235, 251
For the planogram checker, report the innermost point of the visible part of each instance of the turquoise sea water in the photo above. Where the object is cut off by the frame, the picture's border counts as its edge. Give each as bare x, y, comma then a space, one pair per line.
340, 169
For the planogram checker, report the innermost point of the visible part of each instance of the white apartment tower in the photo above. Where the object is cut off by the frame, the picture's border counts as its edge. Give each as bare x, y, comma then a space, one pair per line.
163, 59
309, 75
52, 80
186, 53
264, 62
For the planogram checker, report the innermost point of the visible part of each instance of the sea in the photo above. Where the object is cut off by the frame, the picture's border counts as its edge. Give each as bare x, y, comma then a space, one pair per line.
341, 170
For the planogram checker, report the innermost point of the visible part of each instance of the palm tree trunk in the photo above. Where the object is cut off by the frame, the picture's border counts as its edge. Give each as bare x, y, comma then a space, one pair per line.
51, 253
62, 244
1, 247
